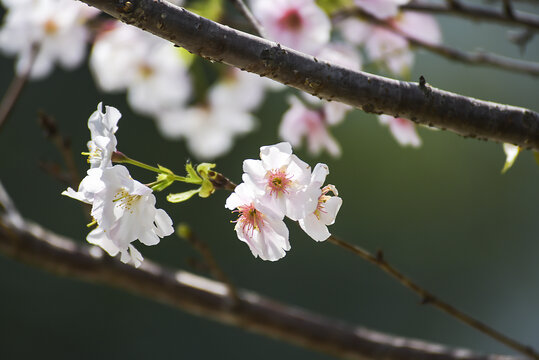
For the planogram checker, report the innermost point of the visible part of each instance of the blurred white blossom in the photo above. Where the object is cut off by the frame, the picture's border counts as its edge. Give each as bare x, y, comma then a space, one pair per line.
403, 130
54, 28
148, 67
381, 9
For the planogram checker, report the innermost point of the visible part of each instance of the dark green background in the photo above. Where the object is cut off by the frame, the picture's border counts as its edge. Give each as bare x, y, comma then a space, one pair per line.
443, 214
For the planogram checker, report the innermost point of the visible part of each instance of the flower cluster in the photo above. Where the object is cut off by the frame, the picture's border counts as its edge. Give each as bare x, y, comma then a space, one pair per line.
53, 29
123, 208
279, 185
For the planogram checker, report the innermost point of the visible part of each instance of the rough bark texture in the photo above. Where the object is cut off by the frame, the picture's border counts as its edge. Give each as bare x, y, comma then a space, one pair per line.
30, 243
418, 102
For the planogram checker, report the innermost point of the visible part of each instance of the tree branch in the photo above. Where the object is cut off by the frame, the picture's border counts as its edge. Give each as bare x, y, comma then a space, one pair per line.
34, 245
476, 12
375, 94
429, 298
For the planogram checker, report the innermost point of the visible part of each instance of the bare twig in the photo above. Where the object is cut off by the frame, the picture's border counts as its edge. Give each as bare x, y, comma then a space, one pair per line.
63, 144
15, 88
476, 12
478, 58
32, 244
375, 94
242, 7
186, 232
429, 298
508, 9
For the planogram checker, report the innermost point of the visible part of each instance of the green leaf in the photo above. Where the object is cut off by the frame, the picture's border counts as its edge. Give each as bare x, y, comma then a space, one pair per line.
210, 9
183, 196
165, 170
204, 168
191, 173
330, 6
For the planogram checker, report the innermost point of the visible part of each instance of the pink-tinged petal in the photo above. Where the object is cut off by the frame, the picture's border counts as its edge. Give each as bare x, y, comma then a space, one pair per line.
403, 130
76, 195
382, 9
233, 201
299, 170
330, 210
419, 26
303, 202
314, 228
354, 31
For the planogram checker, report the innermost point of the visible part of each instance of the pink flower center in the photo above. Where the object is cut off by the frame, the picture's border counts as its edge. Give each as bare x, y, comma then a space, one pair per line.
278, 182
249, 219
50, 27
291, 20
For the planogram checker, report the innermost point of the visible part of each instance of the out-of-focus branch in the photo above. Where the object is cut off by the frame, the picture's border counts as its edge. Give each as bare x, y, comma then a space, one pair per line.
418, 102
428, 298
476, 12
246, 12
15, 88
32, 244
477, 58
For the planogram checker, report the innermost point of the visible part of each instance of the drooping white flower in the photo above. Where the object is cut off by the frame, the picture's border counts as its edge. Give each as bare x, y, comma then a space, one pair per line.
299, 24
258, 226
281, 180
54, 27
124, 210
103, 142
152, 72
403, 130
299, 121
315, 224
381, 9
511, 152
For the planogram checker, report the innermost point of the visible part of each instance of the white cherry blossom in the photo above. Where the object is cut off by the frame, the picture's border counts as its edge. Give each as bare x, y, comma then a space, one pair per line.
403, 130
281, 180
103, 142
124, 210
56, 28
152, 72
315, 224
299, 24
258, 226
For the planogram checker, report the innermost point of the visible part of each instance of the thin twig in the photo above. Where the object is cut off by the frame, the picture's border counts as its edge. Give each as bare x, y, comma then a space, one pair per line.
63, 144
476, 12
15, 88
508, 9
34, 245
478, 58
203, 249
244, 9
429, 298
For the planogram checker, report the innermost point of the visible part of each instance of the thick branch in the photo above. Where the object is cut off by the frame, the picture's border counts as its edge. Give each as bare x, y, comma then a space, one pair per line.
418, 102
476, 12
32, 244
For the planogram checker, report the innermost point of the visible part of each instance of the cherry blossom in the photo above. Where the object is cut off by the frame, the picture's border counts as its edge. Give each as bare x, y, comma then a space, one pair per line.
281, 180
388, 47
403, 130
299, 24
258, 226
153, 72
300, 121
315, 224
208, 130
54, 27
124, 211
103, 142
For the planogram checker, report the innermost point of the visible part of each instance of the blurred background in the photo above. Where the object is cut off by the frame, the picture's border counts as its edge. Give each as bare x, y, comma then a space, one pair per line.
442, 214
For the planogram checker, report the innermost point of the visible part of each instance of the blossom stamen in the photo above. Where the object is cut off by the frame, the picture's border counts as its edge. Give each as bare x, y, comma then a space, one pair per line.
125, 200
279, 182
291, 20
249, 219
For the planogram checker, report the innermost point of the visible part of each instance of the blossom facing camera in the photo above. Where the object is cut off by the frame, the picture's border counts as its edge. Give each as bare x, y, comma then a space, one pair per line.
258, 226
280, 179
